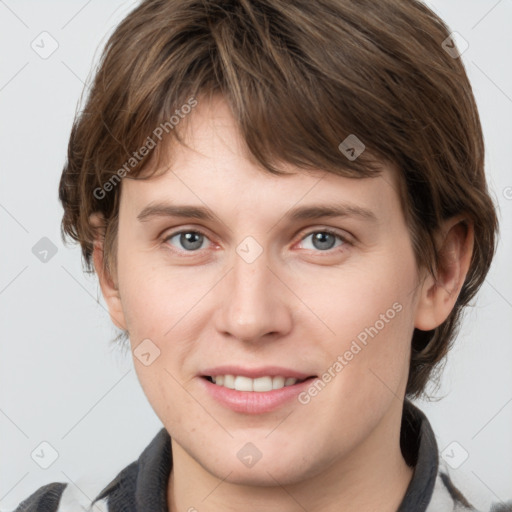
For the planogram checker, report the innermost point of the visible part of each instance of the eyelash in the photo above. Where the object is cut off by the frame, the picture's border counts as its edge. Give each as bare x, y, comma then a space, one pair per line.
323, 230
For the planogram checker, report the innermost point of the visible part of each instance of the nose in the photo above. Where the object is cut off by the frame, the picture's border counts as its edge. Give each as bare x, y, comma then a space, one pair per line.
254, 303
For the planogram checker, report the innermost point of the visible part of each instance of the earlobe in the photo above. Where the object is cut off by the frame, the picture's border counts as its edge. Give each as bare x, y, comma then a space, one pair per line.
109, 288
438, 294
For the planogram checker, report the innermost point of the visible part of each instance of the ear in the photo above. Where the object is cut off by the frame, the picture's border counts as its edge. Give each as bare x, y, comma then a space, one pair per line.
109, 287
438, 294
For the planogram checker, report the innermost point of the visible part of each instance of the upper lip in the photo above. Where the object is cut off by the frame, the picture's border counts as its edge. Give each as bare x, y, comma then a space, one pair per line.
254, 373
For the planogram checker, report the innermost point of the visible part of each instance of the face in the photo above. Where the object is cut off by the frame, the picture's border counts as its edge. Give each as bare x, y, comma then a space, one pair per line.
256, 295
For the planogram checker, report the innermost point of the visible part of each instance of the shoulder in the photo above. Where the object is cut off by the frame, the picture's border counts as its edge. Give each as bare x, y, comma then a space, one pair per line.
448, 497
46, 498
101, 493
65, 497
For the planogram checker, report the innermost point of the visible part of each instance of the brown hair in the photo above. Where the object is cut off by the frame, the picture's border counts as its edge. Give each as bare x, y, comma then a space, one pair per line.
299, 77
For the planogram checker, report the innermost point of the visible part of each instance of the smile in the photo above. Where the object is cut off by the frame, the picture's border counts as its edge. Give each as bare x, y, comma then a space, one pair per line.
260, 384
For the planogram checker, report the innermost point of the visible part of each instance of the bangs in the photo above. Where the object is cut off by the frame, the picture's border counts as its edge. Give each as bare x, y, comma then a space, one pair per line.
296, 95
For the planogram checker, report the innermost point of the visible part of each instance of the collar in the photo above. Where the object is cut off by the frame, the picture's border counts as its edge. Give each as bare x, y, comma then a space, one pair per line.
419, 449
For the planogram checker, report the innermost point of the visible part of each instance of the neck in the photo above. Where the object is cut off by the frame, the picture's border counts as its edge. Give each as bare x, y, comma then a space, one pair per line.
373, 476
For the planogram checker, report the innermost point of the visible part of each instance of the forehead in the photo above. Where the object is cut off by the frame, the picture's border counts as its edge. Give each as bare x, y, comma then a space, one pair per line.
214, 168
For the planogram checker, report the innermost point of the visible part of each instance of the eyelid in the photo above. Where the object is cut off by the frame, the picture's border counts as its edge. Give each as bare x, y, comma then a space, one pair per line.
167, 236
345, 238
343, 235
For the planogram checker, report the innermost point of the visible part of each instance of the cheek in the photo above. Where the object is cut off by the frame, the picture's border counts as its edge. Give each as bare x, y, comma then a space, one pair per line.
354, 302
368, 321
164, 316
162, 322
156, 299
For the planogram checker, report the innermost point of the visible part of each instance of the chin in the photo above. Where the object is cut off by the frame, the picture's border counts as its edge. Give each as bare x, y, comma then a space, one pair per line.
276, 467
262, 475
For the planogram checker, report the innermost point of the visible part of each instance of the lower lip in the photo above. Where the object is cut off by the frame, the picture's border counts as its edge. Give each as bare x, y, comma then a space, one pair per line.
254, 402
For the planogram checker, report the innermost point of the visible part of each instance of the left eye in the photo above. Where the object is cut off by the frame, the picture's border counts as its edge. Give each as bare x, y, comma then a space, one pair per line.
193, 240
324, 240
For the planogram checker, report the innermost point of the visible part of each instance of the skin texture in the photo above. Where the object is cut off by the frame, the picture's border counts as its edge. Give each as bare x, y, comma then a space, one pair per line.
298, 305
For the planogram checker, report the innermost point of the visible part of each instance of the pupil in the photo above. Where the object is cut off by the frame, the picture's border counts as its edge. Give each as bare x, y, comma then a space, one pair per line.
188, 238
322, 244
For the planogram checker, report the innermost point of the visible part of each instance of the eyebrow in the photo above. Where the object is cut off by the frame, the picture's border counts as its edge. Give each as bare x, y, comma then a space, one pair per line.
162, 209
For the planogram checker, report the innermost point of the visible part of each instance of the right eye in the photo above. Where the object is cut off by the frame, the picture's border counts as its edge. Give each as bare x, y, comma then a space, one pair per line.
186, 240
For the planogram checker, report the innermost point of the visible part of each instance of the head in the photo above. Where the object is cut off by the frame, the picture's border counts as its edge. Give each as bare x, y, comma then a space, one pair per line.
252, 109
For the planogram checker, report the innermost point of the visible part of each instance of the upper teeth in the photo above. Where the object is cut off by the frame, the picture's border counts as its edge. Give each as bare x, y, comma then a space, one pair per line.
241, 383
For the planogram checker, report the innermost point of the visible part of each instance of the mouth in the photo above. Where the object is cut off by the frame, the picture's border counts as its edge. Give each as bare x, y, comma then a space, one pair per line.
261, 384
255, 391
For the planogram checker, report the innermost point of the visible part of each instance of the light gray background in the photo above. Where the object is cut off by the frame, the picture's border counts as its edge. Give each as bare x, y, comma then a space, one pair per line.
60, 380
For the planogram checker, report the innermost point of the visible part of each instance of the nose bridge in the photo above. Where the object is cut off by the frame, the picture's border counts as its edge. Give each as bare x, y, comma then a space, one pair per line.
253, 304
250, 278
